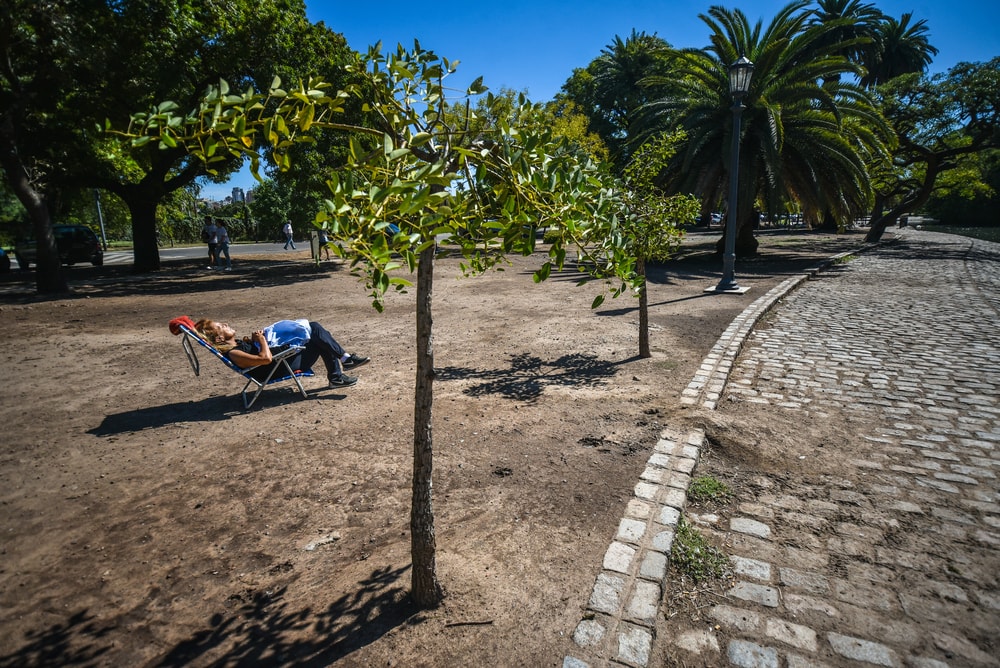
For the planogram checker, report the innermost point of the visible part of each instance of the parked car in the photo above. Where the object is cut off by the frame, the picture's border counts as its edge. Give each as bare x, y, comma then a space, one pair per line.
4, 261
716, 218
76, 243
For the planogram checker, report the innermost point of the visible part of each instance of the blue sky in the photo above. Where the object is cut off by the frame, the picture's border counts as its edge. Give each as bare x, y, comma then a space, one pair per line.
534, 46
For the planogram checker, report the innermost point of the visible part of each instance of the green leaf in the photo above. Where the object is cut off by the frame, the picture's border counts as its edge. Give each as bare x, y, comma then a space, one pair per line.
476, 87
420, 138
306, 119
598, 300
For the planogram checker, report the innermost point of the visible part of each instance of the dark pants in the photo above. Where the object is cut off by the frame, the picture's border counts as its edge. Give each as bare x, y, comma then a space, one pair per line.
321, 345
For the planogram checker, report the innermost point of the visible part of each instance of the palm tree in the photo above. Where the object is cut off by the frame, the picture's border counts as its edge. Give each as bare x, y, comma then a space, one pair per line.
898, 48
806, 133
851, 25
850, 29
611, 88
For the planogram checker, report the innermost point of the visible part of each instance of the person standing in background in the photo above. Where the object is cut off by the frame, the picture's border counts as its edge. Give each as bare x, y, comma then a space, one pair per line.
210, 235
223, 246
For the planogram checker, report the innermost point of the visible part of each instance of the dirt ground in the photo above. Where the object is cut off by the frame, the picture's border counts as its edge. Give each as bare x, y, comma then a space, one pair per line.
147, 520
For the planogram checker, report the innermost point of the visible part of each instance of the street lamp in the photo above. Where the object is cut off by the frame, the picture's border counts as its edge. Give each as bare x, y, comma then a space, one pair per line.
739, 84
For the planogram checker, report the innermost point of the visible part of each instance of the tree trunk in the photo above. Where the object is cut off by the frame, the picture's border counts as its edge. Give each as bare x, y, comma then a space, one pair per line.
912, 202
746, 242
49, 275
426, 590
640, 267
828, 223
879, 226
145, 253
143, 198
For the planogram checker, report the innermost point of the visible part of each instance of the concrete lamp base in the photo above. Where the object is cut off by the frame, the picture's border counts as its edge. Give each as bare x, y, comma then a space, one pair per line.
735, 290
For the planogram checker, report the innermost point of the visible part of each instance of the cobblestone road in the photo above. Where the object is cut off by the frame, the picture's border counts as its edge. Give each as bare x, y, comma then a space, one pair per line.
894, 560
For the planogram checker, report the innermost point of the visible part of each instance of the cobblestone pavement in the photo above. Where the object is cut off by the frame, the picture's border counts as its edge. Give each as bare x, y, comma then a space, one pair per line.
892, 560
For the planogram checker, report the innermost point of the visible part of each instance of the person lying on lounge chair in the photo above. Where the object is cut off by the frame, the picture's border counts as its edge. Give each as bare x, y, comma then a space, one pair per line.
256, 350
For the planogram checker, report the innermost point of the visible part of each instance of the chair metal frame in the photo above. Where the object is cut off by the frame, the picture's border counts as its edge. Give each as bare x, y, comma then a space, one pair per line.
280, 362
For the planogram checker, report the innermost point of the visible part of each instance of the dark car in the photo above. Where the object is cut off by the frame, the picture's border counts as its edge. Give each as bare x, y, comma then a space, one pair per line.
76, 243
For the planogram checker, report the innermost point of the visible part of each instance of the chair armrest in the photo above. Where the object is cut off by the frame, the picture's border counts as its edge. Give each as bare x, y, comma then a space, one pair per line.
291, 351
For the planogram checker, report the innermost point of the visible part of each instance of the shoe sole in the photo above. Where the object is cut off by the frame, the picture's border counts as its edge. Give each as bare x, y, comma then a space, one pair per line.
356, 364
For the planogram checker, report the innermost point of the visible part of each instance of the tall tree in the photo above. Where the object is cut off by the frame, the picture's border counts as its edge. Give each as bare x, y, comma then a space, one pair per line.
40, 60
435, 170
802, 140
850, 27
612, 89
938, 120
897, 48
71, 65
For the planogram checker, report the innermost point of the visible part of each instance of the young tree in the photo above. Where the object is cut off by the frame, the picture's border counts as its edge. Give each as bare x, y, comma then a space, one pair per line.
434, 171
652, 220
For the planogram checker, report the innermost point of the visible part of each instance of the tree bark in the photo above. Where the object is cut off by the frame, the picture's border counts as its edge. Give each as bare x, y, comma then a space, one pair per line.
746, 242
49, 275
426, 590
935, 165
145, 252
143, 198
640, 267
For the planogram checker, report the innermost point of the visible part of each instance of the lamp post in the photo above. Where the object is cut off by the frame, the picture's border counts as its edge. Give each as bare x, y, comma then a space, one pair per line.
739, 83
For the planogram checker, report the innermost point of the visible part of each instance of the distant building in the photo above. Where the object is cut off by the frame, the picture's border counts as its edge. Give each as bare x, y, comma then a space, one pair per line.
238, 195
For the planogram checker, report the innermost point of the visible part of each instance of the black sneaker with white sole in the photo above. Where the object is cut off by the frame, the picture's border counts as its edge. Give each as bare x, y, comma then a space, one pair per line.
354, 361
343, 380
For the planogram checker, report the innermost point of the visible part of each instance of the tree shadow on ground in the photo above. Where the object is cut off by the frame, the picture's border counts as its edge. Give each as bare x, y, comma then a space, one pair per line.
782, 252
258, 629
76, 642
175, 278
529, 376
263, 631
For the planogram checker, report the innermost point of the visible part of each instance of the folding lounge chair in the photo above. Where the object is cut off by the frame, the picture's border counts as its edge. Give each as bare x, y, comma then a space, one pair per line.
281, 370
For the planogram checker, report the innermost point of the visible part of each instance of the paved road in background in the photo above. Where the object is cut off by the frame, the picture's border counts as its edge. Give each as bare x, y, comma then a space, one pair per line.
193, 252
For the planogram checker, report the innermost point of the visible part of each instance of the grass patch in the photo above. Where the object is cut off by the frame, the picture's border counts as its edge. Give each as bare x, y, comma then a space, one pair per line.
707, 488
694, 557
844, 259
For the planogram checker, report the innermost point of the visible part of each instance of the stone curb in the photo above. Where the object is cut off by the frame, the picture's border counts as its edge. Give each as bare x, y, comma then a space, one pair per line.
619, 623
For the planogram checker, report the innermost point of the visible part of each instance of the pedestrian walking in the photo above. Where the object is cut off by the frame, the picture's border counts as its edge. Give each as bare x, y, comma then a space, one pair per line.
289, 240
210, 235
324, 243
223, 246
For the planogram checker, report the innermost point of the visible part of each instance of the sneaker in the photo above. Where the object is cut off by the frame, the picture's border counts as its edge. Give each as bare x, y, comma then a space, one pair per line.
343, 380
354, 361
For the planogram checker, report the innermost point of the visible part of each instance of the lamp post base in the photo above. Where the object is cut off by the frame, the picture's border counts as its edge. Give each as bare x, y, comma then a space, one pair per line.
729, 289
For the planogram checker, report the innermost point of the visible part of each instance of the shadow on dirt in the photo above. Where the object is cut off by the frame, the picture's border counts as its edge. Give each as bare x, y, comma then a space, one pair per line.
77, 642
174, 278
263, 632
258, 629
529, 376
213, 409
